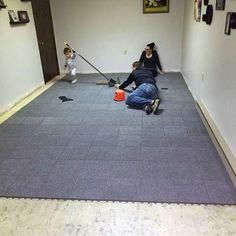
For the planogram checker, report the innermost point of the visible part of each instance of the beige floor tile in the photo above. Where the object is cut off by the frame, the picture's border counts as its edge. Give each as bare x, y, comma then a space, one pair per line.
25, 217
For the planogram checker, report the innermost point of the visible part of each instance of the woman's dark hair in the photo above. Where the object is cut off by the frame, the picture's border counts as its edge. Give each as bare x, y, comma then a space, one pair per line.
151, 45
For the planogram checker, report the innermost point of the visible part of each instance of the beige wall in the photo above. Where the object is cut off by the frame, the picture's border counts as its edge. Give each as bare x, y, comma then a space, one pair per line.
20, 66
209, 68
102, 31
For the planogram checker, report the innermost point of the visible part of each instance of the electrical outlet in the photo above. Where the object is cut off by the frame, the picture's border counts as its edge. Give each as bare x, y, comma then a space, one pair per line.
125, 51
203, 77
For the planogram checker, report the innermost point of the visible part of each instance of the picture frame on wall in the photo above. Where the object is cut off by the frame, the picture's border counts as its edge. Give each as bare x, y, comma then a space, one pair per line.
206, 2
155, 6
227, 23
2, 4
220, 5
13, 16
197, 10
23, 16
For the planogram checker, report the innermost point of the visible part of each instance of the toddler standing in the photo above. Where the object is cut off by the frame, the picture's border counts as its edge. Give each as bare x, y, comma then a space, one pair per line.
70, 65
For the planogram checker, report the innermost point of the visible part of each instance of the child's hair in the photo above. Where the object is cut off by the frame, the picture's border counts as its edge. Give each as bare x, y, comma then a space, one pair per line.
66, 50
136, 64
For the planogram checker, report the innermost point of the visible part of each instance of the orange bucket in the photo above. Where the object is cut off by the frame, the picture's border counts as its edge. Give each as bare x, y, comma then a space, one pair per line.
119, 95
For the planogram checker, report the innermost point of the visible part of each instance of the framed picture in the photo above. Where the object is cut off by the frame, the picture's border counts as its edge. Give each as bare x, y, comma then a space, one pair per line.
155, 6
227, 23
233, 20
207, 17
206, 2
13, 16
197, 10
23, 16
220, 4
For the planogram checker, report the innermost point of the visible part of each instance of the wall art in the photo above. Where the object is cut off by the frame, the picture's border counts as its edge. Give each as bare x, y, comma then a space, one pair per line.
155, 6
197, 10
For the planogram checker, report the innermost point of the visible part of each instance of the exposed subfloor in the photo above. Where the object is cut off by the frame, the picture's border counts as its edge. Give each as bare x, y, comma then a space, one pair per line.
25, 217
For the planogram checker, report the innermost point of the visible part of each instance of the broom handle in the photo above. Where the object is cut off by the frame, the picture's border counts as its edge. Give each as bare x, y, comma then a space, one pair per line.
87, 61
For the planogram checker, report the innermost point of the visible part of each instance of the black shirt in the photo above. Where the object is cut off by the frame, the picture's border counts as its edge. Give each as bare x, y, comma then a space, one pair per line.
140, 76
151, 63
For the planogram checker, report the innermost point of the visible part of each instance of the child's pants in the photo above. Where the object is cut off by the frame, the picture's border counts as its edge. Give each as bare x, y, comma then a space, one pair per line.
71, 75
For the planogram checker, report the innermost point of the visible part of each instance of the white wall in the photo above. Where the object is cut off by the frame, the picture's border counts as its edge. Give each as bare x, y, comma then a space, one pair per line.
102, 30
20, 65
209, 68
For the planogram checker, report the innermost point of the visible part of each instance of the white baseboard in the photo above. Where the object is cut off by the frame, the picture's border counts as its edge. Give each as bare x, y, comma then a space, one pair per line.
104, 72
115, 72
173, 70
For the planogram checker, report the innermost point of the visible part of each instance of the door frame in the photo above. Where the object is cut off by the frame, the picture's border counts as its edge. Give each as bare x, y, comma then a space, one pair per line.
40, 43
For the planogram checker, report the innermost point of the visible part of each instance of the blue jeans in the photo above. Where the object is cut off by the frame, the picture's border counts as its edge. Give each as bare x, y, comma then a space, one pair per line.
142, 96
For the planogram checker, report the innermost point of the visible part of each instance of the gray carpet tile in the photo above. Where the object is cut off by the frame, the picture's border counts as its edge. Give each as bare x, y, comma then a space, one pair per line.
195, 193
126, 130
153, 153
49, 140
154, 169
39, 167
105, 140
127, 153
89, 188
82, 139
129, 141
13, 166
86, 129
221, 191
97, 169
32, 120
6, 182
76, 152
156, 142
15, 120
152, 190
98, 149
101, 153
59, 187
110, 130
182, 155
17, 129
28, 152
123, 188
68, 169
175, 131
26, 185
50, 152
125, 169
153, 133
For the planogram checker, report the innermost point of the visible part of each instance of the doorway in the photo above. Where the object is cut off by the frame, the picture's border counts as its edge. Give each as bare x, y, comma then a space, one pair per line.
46, 40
